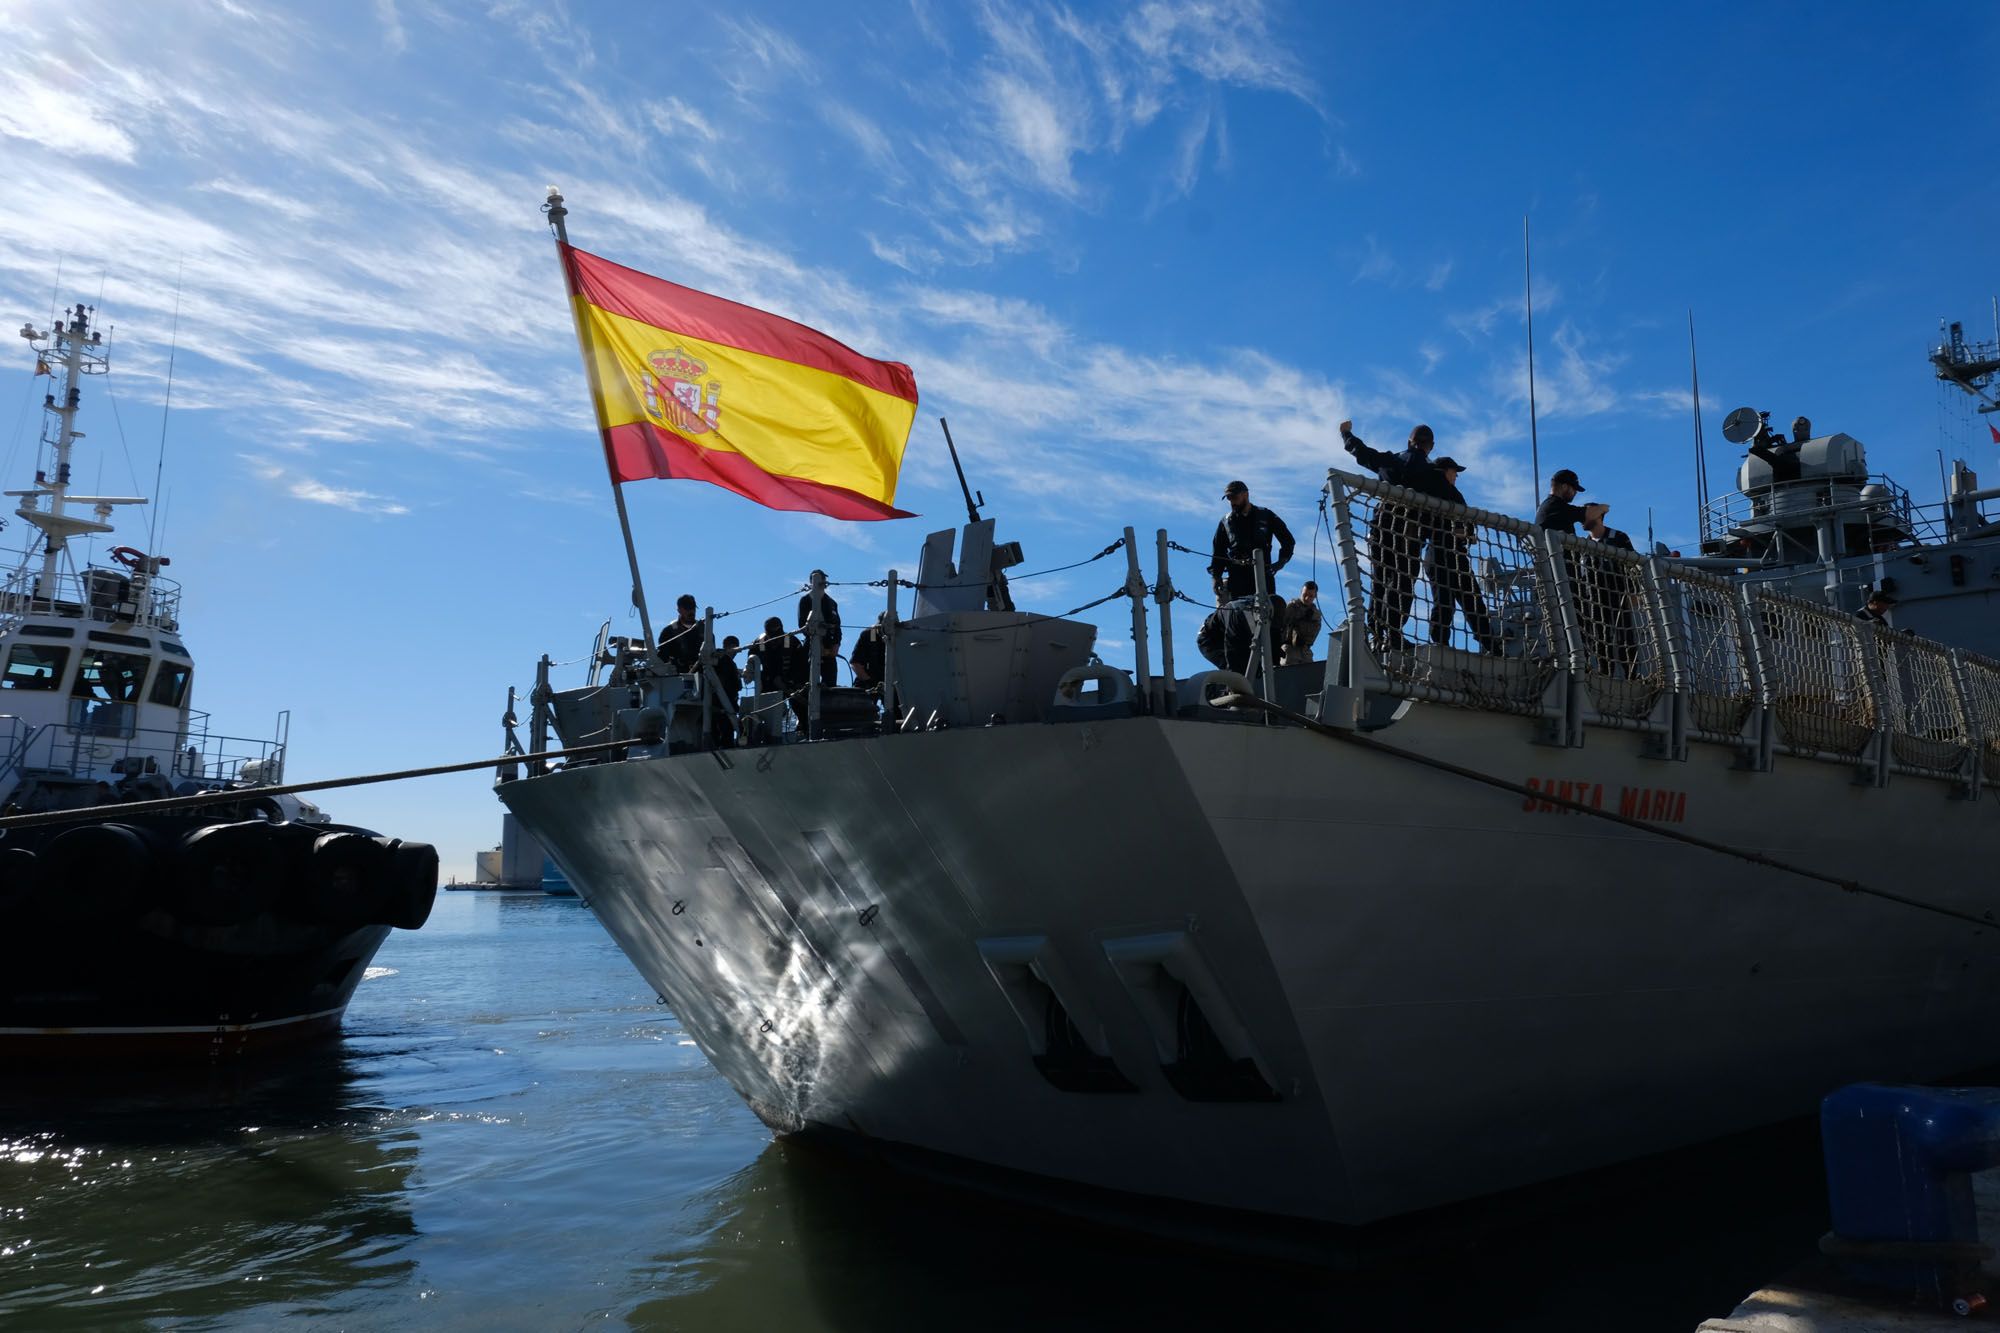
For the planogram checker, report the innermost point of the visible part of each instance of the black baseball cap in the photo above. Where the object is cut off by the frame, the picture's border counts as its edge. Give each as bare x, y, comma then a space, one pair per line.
1449, 462
1878, 595
1233, 487
1566, 476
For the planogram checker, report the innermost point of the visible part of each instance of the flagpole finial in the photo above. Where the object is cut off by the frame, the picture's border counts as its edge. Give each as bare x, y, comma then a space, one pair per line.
555, 212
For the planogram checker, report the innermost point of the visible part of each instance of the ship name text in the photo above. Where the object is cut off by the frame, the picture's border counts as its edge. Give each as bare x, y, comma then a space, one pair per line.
1660, 805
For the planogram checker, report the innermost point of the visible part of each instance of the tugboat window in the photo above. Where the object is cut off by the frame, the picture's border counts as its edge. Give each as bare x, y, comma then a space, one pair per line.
32, 667
107, 689
170, 687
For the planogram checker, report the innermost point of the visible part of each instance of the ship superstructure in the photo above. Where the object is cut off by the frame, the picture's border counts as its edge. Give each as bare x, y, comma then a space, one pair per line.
1338, 940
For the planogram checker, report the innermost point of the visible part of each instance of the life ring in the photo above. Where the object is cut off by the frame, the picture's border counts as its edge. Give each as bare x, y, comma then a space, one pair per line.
129, 556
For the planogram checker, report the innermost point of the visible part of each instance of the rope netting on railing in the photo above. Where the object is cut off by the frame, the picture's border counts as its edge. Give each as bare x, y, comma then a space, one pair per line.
1704, 615
1451, 600
1982, 696
1620, 657
1815, 667
1501, 605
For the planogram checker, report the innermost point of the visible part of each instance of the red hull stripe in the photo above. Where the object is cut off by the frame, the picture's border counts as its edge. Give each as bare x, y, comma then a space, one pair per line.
678, 309
640, 450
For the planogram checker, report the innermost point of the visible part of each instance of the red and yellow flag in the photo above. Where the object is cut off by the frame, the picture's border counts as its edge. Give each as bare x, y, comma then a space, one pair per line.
690, 385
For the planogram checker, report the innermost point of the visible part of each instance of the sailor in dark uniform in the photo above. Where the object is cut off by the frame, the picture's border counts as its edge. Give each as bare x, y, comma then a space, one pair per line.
680, 641
871, 653
1396, 538
1453, 587
1608, 594
1876, 610
1559, 511
829, 635
1245, 530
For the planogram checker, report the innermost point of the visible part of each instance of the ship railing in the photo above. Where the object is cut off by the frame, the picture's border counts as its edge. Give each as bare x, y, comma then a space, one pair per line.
1453, 605
1593, 637
1720, 692
1821, 677
1874, 513
1979, 680
109, 594
1927, 708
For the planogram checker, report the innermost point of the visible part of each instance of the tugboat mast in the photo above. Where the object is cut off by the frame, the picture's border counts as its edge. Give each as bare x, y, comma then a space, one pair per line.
72, 349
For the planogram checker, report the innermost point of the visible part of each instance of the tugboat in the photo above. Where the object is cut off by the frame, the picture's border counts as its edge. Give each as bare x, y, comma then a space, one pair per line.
1675, 850
209, 933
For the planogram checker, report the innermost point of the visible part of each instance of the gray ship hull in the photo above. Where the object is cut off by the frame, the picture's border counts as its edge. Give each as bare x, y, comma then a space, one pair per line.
1424, 989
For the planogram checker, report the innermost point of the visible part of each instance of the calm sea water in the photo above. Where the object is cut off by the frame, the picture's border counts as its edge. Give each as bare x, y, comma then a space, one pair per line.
513, 1133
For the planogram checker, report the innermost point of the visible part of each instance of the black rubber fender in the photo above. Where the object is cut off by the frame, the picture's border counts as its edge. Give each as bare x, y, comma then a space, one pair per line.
226, 874
343, 880
96, 873
413, 884
20, 878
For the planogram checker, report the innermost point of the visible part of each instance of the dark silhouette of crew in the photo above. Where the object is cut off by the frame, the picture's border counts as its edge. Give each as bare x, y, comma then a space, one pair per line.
781, 663
1397, 537
1448, 565
871, 653
680, 641
829, 639
1609, 592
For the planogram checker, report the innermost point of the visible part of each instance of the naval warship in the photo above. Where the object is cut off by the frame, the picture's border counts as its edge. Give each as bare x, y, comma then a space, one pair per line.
154, 934
1670, 849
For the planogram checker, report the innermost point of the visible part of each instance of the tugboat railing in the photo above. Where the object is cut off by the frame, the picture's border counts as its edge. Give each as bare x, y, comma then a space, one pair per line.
98, 592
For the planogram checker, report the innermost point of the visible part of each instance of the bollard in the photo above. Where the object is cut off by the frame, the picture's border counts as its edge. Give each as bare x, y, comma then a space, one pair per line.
1899, 1164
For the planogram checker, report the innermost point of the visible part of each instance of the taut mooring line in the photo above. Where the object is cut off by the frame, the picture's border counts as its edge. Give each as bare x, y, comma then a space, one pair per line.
238, 795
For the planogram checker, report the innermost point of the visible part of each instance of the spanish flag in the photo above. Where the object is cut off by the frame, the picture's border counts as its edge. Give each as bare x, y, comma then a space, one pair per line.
690, 385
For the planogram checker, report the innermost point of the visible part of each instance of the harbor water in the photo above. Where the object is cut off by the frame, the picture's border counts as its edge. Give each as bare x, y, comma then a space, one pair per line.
515, 1133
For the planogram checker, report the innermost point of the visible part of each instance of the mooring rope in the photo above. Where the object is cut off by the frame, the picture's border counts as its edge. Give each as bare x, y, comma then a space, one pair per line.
238, 795
1474, 775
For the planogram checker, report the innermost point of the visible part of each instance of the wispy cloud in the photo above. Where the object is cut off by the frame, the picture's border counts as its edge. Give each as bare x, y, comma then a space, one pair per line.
314, 491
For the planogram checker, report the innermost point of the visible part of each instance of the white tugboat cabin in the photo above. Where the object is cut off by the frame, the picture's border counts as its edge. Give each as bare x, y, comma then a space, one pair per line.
95, 680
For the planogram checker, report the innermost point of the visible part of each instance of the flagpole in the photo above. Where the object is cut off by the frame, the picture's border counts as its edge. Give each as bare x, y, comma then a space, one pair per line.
556, 213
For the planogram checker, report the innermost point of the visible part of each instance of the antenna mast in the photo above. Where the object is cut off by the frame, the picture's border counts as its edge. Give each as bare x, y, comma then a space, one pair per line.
1534, 433
160, 462
1700, 445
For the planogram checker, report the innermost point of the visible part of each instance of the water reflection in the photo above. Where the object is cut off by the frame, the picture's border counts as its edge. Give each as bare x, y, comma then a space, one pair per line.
513, 1134
807, 1238
126, 1197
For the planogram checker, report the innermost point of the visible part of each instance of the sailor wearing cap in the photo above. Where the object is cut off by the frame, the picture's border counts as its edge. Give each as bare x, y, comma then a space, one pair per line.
1453, 587
1558, 510
1245, 530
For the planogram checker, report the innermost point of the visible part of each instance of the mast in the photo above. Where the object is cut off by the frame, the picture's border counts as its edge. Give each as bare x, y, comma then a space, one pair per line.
70, 350
1528, 285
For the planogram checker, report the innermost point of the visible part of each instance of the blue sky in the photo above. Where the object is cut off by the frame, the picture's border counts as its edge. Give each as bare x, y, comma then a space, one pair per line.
1131, 251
